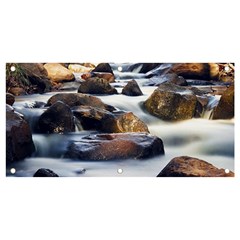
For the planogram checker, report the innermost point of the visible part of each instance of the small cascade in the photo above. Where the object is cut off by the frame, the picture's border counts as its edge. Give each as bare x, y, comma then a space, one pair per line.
212, 103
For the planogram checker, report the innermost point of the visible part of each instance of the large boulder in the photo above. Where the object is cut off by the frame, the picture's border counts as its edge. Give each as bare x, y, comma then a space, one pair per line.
171, 102
57, 119
103, 67
192, 167
225, 107
44, 172
100, 119
10, 99
37, 75
97, 86
34, 70
78, 99
132, 89
58, 73
19, 143
116, 146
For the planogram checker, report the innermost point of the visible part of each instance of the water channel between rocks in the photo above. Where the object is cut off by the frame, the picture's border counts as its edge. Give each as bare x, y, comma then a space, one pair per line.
209, 140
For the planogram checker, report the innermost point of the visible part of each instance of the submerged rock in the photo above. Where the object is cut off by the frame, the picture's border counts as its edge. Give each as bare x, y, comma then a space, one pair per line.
103, 147
58, 73
167, 78
171, 102
192, 167
100, 119
225, 107
57, 119
44, 172
132, 89
78, 99
10, 99
19, 143
97, 86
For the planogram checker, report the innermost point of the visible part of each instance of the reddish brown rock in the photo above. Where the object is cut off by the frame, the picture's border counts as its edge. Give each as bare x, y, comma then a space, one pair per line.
19, 143
192, 167
16, 91
100, 119
102, 147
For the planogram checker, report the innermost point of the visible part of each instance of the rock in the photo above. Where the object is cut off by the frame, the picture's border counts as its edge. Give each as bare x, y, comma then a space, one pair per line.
107, 76
37, 75
78, 99
57, 119
115, 146
123, 122
36, 70
16, 91
99, 119
132, 89
225, 107
192, 167
19, 143
44, 172
195, 70
97, 86
77, 68
103, 67
10, 99
58, 73
171, 102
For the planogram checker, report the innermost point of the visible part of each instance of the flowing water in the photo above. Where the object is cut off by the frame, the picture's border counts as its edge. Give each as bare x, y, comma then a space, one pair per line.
212, 141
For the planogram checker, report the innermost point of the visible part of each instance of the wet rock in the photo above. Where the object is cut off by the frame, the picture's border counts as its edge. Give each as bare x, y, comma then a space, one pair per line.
192, 167
99, 119
78, 99
225, 107
57, 119
203, 71
171, 102
97, 86
103, 67
19, 143
37, 75
77, 68
34, 70
10, 99
132, 89
123, 122
58, 73
107, 76
103, 147
17, 91
44, 172
90, 117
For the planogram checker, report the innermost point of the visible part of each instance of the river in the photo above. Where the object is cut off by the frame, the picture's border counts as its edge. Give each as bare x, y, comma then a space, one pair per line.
212, 141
